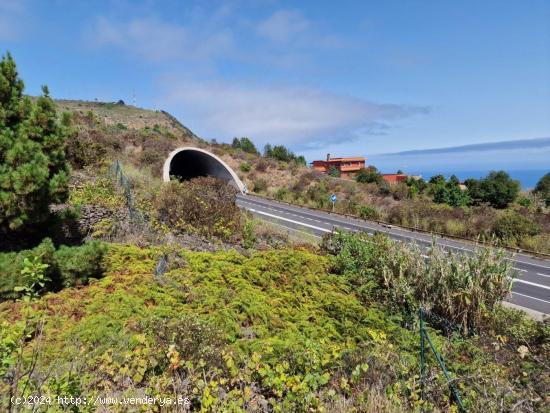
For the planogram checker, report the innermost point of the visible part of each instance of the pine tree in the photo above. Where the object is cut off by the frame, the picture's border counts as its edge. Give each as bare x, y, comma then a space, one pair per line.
33, 170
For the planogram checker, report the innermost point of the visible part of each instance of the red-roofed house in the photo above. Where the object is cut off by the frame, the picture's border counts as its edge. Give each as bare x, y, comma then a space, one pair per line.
394, 178
348, 167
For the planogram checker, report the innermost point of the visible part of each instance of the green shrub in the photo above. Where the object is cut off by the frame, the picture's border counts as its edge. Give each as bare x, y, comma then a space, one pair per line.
539, 243
100, 192
281, 194
245, 167
76, 265
525, 202
249, 236
244, 144
204, 205
517, 326
85, 148
455, 227
543, 188
462, 288
449, 192
497, 189
282, 153
33, 278
512, 226
369, 212
334, 172
12, 263
67, 266
369, 175
259, 185
281, 165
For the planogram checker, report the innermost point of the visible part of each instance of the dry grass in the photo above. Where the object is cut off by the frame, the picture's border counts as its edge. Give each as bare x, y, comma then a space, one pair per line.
112, 114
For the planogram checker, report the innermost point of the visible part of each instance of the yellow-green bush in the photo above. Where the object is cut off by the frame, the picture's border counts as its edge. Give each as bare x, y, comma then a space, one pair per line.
272, 330
100, 192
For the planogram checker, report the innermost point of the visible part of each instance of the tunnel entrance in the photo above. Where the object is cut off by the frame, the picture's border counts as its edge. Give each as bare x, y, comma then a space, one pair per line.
187, 163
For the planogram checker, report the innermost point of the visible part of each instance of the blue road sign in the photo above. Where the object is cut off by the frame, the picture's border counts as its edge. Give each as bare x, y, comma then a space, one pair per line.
333, 197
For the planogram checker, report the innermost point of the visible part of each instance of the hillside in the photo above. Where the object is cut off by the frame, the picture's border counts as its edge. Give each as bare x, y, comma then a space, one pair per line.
143, 138
128, 289
119, 113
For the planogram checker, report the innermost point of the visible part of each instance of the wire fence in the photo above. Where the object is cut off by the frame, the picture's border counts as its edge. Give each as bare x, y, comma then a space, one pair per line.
136, 217
425, 338
162, 266
137, 220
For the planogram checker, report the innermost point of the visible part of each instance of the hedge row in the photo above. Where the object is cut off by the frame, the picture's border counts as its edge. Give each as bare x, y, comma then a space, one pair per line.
67, 266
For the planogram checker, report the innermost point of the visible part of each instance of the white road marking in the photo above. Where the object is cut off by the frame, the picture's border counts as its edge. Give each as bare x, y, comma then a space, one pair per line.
528, 263
533, 298
517, 269
530, 283
311, 234
290, 220
401, 233
456, 248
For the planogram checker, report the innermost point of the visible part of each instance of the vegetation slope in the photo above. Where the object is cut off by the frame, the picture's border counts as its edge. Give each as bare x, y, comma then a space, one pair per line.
271, 331
102, 132
106, 297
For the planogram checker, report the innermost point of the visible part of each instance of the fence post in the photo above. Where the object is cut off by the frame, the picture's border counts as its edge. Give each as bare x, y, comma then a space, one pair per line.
120, 179
441, 363
424, 336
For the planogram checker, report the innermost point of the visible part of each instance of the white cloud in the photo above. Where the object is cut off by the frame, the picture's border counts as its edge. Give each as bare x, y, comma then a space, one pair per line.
299, 117
157, 40
285, 39
284, 26
293, 31
11, 19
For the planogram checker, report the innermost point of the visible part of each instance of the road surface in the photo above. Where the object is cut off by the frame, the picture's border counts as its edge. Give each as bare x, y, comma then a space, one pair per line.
531, 288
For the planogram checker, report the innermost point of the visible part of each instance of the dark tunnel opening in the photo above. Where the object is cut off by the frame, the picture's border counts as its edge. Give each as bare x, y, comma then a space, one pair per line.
190, 164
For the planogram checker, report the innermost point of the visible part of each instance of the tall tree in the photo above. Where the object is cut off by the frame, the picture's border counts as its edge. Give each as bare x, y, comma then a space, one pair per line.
543, 188
245, 144
368, 175
497, 189
33, 170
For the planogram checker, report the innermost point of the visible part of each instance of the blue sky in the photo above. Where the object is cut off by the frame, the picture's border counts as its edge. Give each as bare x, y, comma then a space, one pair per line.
349, 78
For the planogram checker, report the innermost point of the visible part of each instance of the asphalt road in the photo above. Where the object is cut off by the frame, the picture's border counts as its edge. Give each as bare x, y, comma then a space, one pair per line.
531, 288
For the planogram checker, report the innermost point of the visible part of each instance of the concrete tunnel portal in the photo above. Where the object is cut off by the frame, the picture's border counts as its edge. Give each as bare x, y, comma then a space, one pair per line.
188, 162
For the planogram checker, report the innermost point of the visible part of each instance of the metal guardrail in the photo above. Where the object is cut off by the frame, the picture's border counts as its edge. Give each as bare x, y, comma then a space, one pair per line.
413, 229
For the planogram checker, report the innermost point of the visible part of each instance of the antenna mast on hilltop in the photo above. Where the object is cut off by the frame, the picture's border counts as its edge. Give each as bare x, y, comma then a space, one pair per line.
134, 98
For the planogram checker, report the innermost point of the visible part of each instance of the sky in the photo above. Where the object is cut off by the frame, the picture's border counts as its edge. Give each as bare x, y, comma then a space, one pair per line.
348, 78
